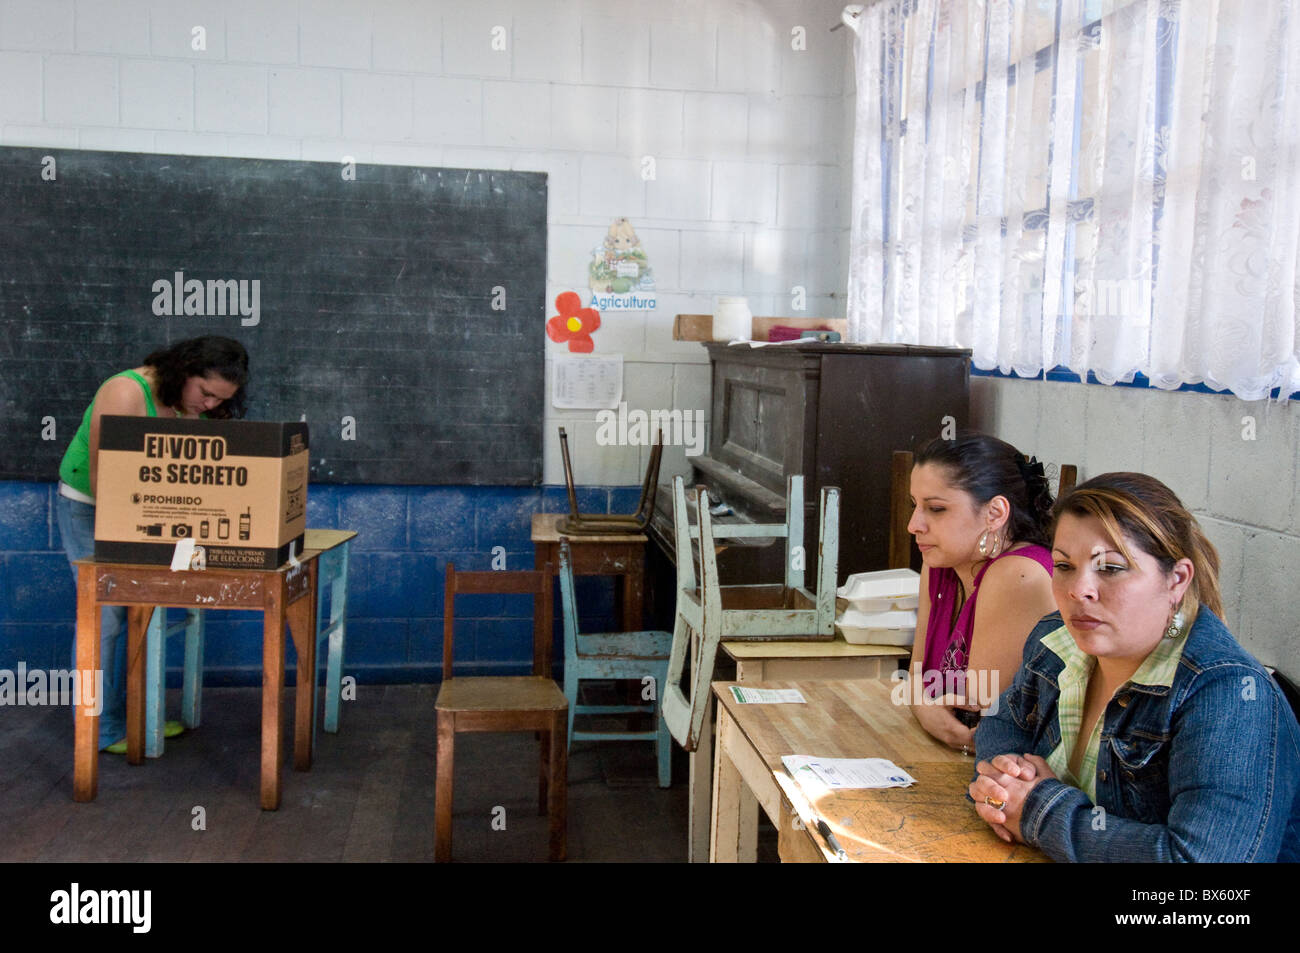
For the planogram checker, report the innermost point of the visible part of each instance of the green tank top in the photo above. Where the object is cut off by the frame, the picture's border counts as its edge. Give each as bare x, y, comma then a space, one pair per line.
75, 468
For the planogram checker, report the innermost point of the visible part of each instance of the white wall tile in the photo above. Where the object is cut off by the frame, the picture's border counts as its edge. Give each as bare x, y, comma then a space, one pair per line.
172, 29
569, 252
467, 43
470, 157
646, 386
229, 98
584, 118
169, 142
1229, 540
448, 111
377, 106
683, 56
20, 78
650, 122
117, 140
305, 102
1268, 606
827, 263
81, 90
593, 465
743, 192
819, 69
715, 125
263, 147
407, 37
1063, 423
562, 172
1116, 430
158, 94
121, 27
680, 190
18, 135
662, 247
615, 51
262, 31
713, 262
36, 26
806, 197
795, 128
547, 47
334, 33
1016, 406
1177, 449
517, 114
692, 387
774, 260
333, 150
611, 187
404, 153
1252, 481
747, 55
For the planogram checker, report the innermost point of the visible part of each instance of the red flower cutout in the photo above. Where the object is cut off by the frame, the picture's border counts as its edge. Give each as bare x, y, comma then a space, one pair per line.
574, 323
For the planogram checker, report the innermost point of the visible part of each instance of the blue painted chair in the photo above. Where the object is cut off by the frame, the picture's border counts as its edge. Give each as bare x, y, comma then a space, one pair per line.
614, 655
331, 575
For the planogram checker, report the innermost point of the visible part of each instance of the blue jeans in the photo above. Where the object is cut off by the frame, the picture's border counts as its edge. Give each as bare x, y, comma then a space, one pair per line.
77, 527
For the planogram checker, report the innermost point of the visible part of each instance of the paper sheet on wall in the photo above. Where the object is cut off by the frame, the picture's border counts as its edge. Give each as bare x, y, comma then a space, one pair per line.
583, 383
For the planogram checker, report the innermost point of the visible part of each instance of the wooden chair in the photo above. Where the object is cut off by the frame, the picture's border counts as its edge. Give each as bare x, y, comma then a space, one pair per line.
900, 510
502, 703
613, 655
707, 612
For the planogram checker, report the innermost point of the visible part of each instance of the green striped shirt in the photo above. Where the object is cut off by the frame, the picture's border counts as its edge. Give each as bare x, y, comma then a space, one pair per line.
1157, 668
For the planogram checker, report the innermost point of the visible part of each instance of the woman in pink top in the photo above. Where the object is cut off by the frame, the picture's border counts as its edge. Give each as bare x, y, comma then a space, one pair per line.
978, 504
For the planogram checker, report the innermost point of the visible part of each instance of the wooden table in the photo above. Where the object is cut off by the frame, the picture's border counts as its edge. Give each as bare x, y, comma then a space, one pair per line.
931, 821
282, 595
766, 661
620, 554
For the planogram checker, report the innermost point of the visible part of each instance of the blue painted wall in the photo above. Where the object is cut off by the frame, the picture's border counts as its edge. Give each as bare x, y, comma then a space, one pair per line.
407, 535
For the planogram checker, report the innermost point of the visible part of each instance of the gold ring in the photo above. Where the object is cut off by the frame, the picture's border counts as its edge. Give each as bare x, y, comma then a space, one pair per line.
994, 803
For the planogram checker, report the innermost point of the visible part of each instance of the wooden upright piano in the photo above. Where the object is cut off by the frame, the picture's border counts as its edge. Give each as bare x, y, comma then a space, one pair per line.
833, 412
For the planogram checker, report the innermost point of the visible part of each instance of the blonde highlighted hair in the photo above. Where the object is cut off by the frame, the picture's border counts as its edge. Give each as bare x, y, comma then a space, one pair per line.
1137, 509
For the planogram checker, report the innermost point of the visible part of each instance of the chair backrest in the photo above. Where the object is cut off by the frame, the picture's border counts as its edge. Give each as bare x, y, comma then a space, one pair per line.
568, 604
900, 509
534, 582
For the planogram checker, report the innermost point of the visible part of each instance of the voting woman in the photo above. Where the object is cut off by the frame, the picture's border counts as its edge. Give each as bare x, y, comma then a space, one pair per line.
203, 376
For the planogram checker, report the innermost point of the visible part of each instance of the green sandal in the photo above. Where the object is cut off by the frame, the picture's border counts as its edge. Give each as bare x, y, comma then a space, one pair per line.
171, 729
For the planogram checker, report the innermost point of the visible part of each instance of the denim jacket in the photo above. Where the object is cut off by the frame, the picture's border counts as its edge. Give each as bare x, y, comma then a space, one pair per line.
1205, 770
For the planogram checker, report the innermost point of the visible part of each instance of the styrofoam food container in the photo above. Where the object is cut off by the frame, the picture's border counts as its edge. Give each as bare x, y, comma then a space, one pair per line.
882, 590
877, 628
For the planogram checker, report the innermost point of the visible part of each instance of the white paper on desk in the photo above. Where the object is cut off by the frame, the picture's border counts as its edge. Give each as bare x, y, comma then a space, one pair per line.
815, 775
767, 696
586, 383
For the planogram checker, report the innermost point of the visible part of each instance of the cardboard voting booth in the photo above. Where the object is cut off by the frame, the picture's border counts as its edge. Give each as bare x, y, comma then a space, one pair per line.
237, 488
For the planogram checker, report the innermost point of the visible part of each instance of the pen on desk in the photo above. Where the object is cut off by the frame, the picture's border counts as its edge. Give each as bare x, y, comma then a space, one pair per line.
825, 830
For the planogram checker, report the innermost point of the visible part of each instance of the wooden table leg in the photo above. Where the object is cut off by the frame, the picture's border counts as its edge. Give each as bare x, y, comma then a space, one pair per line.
272, 694
137, 625
559, 783
700, 788
446, 772
733, 835
85, 761
302, 627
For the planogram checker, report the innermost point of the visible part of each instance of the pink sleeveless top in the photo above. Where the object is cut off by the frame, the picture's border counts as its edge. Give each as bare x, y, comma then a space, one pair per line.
947, 651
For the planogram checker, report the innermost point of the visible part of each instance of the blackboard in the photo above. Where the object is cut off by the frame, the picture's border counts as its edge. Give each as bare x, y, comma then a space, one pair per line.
400, 309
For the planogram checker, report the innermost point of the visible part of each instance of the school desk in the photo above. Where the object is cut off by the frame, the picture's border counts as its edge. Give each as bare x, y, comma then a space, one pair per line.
930, 821
284, 595
767, 661
613, 554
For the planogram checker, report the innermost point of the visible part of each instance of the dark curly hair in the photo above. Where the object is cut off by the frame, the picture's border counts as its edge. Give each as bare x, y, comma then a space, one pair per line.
199, 357
986, 467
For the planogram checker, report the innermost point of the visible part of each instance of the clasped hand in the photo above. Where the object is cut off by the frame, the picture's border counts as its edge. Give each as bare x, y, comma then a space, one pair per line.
1006, 780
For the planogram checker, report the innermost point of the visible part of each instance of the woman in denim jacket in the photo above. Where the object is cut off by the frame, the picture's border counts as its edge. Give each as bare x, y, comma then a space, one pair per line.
1137, 729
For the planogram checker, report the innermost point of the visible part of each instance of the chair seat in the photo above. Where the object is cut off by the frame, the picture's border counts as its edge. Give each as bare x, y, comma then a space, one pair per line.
627, 645
500, 693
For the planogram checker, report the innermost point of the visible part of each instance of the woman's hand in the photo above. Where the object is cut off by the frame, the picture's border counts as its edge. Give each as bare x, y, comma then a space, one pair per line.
937, 719
1006, 781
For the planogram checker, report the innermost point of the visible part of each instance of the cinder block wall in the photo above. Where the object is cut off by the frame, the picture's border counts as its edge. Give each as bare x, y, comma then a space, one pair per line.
750, 139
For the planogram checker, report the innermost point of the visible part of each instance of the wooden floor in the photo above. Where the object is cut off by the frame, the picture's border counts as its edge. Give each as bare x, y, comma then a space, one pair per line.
368, 797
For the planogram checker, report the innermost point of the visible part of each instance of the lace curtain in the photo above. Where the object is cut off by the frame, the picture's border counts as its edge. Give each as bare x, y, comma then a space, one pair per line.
1112, 185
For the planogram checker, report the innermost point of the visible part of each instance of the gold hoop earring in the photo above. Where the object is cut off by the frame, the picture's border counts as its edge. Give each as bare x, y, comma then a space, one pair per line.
1175, 627
986, 550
